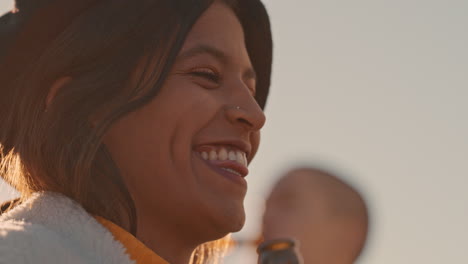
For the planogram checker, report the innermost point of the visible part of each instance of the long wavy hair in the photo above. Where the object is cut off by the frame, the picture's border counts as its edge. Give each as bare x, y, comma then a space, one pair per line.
98, 43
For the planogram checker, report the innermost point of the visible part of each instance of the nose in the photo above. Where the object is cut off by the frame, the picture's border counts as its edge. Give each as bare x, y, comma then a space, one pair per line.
246, 113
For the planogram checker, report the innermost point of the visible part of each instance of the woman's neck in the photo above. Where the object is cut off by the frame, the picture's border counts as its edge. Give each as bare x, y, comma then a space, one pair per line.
168, 243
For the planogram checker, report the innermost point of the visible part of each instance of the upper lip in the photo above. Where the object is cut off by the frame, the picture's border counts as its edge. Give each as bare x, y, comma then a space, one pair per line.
238, 144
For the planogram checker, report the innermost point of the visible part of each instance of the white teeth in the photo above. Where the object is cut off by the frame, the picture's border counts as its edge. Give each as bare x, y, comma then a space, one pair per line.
232, 171
213, 155
223, 154
240, 158
232, 155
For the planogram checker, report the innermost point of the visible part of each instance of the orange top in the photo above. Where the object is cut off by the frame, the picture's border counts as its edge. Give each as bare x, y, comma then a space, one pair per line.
135, 249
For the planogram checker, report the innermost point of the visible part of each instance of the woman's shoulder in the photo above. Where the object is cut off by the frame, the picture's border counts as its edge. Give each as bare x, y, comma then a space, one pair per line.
51, 228
24, 242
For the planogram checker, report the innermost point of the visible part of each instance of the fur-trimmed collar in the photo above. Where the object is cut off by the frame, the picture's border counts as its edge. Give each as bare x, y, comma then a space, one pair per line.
51, 228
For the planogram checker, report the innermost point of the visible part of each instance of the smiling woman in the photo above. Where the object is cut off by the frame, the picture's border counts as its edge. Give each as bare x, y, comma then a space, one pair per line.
128, 127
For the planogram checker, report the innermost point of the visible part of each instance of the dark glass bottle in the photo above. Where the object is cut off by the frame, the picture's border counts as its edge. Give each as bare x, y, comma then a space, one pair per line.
279, 251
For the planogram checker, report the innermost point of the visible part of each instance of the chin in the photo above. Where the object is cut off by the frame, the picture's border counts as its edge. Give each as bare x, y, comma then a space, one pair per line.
235, 220
228, 221
237, 226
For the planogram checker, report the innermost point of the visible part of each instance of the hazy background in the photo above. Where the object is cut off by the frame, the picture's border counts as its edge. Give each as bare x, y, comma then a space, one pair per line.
378, 91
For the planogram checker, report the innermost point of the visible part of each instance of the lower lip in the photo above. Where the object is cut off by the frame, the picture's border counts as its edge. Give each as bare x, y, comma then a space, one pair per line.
229, 175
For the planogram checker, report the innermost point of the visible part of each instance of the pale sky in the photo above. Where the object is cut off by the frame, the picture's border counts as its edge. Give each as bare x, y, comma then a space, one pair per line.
377, 90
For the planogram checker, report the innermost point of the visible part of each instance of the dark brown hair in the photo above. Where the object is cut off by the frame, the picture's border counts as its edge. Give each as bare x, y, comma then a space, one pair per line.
98, 43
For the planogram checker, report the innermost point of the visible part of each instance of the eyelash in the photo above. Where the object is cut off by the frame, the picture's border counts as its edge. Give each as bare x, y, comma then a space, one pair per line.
212, 76
207, 74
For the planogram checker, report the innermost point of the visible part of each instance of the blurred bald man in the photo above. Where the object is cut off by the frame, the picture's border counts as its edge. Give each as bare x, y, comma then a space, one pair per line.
325, 215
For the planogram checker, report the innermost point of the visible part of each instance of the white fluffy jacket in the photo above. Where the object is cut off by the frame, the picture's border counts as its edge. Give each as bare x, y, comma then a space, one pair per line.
51, 228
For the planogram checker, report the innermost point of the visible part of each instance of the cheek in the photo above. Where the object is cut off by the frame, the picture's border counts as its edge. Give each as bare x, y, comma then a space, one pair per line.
131, 142
255, 142
156, 139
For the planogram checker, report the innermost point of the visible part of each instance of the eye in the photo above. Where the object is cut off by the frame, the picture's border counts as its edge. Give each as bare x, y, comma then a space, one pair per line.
207, 74
253, 91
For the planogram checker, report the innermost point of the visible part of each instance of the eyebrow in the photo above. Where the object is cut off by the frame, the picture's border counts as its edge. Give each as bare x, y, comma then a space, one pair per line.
218, 54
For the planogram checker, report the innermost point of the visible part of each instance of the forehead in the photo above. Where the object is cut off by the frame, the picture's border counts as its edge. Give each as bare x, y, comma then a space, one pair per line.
220, 28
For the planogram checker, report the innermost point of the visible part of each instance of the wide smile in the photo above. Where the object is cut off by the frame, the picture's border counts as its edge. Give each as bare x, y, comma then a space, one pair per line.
226, 160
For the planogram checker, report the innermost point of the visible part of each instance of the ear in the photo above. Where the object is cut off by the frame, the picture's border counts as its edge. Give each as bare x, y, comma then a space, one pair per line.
56, 86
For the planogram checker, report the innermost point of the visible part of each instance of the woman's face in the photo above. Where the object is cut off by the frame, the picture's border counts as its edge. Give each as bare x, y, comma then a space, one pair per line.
184, 155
